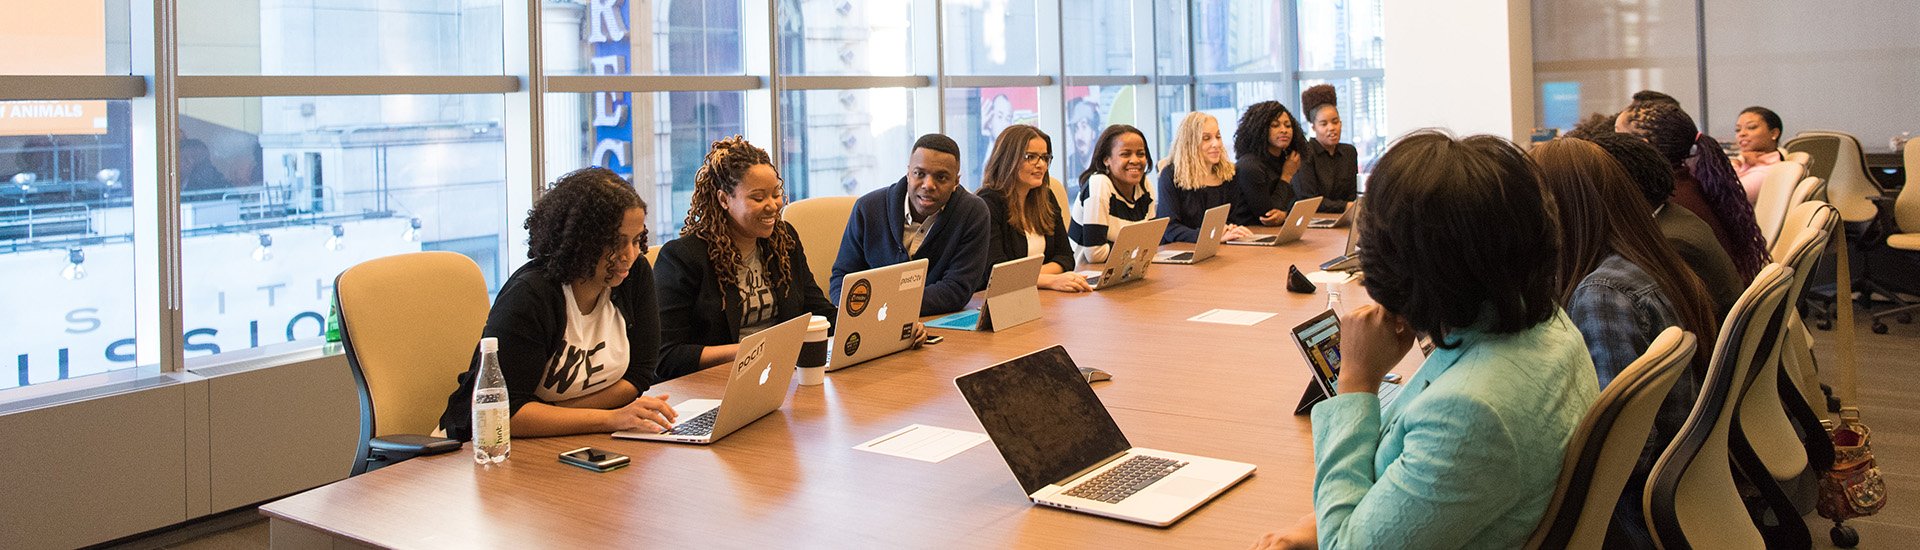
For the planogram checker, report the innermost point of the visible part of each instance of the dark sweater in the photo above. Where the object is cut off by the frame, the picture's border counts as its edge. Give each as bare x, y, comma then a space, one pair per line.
530, 320
1186, 209
1258, 188
955, 247
695, 312
1694, 240
1007, 243
1333, 176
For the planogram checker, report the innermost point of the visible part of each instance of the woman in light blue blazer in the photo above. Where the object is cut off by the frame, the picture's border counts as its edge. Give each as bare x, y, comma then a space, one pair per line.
1461, 248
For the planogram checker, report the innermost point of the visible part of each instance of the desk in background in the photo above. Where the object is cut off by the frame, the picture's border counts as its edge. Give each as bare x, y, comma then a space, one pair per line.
792, 479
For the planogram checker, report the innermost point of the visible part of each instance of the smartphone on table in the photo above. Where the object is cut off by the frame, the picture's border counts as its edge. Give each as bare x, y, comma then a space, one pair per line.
595, 459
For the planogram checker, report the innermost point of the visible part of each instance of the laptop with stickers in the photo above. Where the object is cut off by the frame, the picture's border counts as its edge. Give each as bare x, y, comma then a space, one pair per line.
762, 372
878, 308
1132, 251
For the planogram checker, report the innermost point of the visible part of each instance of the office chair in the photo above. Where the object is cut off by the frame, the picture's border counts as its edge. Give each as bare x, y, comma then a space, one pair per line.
1784, 440
1776, 194
821, 223
1837, 158
1811, 189
1903, 238
410, 324
1797, 358
1060, 198
1607, 443
1801, 157
1691, 500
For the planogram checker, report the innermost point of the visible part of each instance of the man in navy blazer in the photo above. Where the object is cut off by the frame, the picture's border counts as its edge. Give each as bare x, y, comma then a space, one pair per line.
927, 214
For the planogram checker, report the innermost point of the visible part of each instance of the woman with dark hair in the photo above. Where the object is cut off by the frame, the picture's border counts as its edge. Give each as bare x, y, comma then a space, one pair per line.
1113, 191
1021, 211
1622, 285
1690, 237
1196, 176
1267, 147
737, 268
1703, 179
1757, 133
579, 335
1328, 169
1461, 243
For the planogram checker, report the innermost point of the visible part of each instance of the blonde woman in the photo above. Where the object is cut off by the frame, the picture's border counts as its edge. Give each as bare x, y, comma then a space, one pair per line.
1195, 177
1022, 216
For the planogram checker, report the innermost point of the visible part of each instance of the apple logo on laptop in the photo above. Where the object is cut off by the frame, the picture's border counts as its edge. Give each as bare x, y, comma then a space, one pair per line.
883, 312
1214, 234
764, 373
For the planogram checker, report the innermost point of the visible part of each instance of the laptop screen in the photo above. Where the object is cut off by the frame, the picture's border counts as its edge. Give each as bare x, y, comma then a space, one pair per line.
1043, 416
1319, 339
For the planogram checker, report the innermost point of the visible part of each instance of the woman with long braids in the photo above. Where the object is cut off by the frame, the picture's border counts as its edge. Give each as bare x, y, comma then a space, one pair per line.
737, 267
1704, 180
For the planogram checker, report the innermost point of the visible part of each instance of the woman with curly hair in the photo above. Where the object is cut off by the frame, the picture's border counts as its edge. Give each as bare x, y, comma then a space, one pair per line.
1267, 148
737, 267
1196, 176
579, 334
1022, 215
1329, 169
1704, 180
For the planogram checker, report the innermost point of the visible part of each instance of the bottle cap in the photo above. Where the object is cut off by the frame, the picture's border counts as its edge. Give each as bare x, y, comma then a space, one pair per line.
489, 345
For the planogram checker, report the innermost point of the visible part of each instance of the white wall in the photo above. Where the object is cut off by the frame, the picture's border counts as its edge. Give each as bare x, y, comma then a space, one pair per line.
1466, 66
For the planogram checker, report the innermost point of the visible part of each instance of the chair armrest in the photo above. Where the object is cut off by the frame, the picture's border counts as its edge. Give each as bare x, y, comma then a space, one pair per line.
412, 445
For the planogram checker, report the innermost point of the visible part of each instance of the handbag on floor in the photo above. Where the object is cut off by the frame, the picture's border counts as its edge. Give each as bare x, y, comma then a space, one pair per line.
1852, 487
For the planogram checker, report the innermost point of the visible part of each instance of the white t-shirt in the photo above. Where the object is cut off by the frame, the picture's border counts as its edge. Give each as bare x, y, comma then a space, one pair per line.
595, 355
1036, 244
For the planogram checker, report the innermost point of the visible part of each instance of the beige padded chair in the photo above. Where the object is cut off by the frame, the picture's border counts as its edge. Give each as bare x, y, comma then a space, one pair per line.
1906, 219
1810, 189
1767, 418
1799, 156
1691, 500
653, 255
1837, 158
1606, 445
410, 324
1776, 194
821, 222
1060, 198
1797, 358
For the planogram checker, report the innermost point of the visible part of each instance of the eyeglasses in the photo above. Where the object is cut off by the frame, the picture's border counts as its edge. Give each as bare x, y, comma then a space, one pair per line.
1044, 158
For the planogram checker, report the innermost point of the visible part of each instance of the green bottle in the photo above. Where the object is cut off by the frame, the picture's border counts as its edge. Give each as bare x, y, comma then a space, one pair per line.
333, 321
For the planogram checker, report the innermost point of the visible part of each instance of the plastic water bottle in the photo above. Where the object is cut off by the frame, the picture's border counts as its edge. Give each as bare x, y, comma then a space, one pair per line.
1333, 299
492, 420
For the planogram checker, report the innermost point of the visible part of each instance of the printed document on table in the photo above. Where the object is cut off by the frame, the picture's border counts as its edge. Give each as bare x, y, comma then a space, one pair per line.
924, 443
1232, 317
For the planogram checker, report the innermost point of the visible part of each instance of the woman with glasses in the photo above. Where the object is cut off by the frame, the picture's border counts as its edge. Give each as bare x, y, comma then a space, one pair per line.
737, 268
579, 334
1024, 218
1196, 176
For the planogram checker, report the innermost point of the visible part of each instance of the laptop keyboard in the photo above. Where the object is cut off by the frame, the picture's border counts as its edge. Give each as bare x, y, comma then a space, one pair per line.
1126, 479
699, 425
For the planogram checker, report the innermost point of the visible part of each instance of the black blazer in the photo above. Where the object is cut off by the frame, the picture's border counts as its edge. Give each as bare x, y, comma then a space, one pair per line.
695, 312
1008, 243
1335, 176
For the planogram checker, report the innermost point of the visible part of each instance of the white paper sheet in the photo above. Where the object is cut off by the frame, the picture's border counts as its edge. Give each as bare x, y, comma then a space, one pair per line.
924, 443
1324, 277
1232, 317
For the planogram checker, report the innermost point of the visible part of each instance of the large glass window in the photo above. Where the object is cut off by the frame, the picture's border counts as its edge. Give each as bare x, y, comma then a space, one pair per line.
304, 37
844, 38
1239, 36
1102, 36
280, 194
657, 140
669, 37
991, 37
1340, 35
844, 142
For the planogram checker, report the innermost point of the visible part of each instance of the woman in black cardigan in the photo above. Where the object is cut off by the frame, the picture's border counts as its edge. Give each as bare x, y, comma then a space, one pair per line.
1021, 211
762, 278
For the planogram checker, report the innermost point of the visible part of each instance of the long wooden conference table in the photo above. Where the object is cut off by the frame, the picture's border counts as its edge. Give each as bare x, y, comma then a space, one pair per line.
793, 479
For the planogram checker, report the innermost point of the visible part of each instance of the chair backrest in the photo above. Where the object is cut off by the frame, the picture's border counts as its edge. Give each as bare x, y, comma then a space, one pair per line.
821, 222
1811, 189
1906, 208
410, 324
1764, 416
1837, 158
1060, 198
1807, 216
1776, 194
1606, 445
1799, 156
1690, 498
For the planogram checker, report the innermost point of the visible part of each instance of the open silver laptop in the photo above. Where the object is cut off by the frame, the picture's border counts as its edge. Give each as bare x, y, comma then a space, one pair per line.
1012, 299
1211, 226
878, 308
762, 373
1132, 251
1296, 224
1349, 260
1345, 219
1067, 452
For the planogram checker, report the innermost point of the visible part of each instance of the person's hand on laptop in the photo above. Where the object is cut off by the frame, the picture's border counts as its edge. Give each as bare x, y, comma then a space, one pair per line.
1304, 535
1372, 341
1235, 232
1064, 282
644, 413
919, 335
1273, 217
